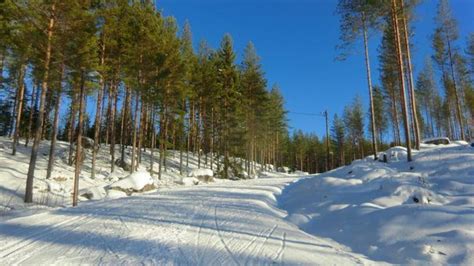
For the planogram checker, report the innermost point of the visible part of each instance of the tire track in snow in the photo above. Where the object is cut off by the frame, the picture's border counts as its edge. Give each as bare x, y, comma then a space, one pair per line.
279, 254
262, 245
222, 238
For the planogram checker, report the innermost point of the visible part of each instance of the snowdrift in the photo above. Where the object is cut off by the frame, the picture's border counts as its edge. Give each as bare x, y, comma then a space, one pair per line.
398, 212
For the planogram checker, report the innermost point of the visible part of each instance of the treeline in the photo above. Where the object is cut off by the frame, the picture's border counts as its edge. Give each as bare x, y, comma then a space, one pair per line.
404, 107
151, 88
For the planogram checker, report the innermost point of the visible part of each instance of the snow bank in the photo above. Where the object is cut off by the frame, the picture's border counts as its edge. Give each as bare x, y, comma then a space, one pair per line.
404, 213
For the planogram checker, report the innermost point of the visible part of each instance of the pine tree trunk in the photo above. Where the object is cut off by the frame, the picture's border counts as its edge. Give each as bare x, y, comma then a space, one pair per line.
44, 89
21, 93
124, 123
369, 82
114, 97
153, 135
402, 78
54, 136
135, 127
410, 78
459, 115
97, 123
78, 165
32, 111
98, 111
109, 112
2, 65
72, 127
140, 133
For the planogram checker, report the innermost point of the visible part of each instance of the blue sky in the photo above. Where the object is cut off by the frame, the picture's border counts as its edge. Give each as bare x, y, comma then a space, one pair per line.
296, 40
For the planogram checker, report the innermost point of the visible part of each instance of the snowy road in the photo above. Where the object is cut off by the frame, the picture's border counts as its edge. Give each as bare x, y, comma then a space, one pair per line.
230, 223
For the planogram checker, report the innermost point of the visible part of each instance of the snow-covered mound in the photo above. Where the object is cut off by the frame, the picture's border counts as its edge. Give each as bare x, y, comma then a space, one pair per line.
200, 172
398, 212
134, 182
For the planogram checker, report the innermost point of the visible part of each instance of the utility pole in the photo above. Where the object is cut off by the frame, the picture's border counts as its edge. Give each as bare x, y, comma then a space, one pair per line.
327, 139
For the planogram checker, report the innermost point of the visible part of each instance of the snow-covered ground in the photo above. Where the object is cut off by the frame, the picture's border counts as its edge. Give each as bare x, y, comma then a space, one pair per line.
397, 212
229, 223
366, 213
57, 190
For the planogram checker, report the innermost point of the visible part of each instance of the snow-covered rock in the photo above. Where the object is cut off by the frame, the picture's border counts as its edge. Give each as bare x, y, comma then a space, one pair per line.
283, 169
115, 194
135, 182
204, 175
189, 181
93, 193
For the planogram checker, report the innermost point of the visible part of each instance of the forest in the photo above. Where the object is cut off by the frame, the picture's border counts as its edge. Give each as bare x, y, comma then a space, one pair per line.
121, 74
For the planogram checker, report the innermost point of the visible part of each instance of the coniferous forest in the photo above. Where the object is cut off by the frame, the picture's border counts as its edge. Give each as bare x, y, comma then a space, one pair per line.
122, 74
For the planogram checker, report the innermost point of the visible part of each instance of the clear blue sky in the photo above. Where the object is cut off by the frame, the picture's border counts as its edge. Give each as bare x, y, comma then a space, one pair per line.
296, 40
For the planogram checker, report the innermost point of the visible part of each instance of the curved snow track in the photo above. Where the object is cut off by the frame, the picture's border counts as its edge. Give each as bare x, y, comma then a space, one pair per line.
231, 223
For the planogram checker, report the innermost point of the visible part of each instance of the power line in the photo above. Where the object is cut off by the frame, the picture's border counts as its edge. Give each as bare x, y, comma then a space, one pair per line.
307, 114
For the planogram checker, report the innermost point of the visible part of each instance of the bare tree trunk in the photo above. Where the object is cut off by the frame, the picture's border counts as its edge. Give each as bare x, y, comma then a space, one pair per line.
54, 136
402, 78
79, 155
44, 89
19, 109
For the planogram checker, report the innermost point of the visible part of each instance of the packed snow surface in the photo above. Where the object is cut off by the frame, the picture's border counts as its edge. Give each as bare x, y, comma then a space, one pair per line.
228, 223
405, 213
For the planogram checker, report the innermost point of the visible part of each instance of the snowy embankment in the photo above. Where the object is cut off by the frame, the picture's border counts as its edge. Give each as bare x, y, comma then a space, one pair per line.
228, 223
56, 191
397, 212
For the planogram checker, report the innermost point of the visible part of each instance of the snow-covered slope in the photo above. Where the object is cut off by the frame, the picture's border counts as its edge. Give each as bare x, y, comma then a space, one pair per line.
57, 190
398, 212
229, 223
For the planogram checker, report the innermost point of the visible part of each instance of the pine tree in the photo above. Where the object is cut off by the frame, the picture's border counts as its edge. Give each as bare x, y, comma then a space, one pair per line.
228, 97
357, 17
446, 33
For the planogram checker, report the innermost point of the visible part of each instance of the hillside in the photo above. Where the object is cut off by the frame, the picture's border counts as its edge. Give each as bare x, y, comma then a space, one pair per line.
396, 212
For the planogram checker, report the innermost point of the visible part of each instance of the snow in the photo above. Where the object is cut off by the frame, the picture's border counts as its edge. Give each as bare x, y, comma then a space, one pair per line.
227, 223
200, 172
189, 181
93, 193
367, 213
136, 181
397, 212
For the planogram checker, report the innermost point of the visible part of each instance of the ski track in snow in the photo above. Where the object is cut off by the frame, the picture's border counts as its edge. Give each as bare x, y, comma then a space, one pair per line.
230, 223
